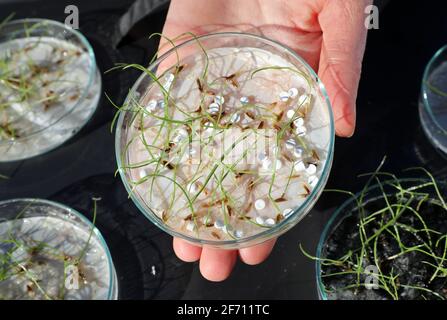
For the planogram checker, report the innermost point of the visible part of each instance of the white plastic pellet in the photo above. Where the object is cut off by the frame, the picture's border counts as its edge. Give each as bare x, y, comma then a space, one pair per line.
259, 204
219, 100
298, 122
284, 96
219, 224
260, 220
311, 169
244, 100
298, 152
299, 166
293, 92
290, 113
313, 180
190, 226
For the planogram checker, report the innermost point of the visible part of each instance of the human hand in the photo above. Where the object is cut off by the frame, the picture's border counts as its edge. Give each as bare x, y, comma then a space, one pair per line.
329, 34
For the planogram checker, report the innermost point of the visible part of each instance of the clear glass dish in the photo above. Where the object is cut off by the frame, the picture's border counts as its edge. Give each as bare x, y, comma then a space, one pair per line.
344, 225
203, 68
433, 101
50, 251
50, 86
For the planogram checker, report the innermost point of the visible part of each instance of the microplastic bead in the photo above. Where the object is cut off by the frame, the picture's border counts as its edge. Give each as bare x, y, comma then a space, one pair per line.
219, 224
161, 104
259, 204
293, 92
299, 166
208, 126
301, 131
238, 233
298, 152
262, 156
266, 164
313, 180
244, 100
219, 100
182, 132
235, 118
311, 169
143, 173
213, 108
152, 105
192, 188
284, 96
290, 114
290, 144
259, 220
181, 135
299, 122
190, 226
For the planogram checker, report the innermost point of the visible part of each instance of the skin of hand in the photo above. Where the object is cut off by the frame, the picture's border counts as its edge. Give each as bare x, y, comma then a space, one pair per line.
329, 34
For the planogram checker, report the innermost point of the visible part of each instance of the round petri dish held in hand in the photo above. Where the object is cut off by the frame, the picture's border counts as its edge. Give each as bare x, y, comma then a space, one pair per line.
50, 86
226, 140
433, 101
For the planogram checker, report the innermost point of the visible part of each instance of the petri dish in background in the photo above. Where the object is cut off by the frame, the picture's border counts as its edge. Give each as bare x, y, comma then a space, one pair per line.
50, 86
433, 101
50, 251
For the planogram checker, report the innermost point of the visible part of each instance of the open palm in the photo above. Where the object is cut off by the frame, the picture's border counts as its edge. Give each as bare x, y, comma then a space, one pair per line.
329, 34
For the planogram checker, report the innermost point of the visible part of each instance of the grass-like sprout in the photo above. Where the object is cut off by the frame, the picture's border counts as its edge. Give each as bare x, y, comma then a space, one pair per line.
435, 89
39, 253
6, 20
208, 191
398, 227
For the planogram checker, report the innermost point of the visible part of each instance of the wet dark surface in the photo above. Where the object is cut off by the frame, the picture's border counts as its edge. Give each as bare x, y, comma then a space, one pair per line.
387, 124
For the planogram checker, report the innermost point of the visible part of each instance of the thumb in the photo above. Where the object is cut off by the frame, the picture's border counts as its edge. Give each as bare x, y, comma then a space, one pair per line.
343, 46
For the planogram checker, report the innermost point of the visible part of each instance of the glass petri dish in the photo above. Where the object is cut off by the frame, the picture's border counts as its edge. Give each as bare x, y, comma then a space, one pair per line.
343, 226
50, 251
50, 86
210, 98
433, 101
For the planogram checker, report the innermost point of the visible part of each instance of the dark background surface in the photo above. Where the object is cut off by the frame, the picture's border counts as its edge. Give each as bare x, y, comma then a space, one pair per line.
387, 124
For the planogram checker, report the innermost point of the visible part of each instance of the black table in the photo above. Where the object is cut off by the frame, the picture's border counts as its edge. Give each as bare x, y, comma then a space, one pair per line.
387, 124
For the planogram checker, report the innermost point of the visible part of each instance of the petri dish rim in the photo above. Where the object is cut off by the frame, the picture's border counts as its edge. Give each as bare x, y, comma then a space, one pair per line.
424, 88
297, 214
113, 284
91, 72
